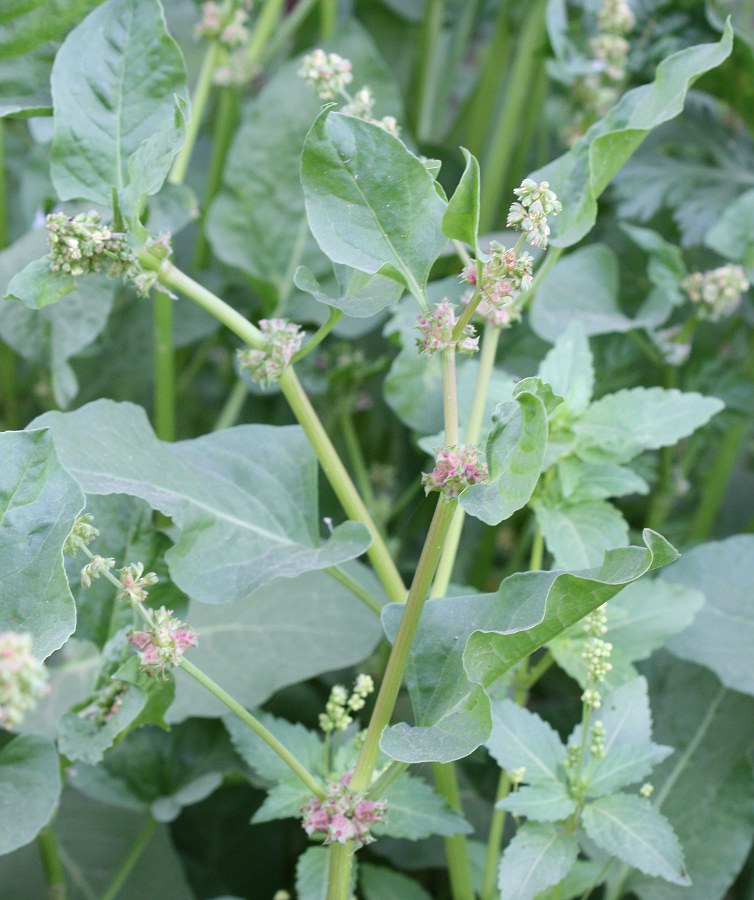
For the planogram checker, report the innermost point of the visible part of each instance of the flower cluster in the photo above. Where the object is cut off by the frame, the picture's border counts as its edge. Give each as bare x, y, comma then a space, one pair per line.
506, 277
455, 469
83, 245
361, 106
133, 583
229, 29
337, 715
529, 214
717, 292
284, 340
674, 352
343, 815
106, 703
96, 566
436, 329
164, 644
596, 653
82, 533
327, 73
22, 678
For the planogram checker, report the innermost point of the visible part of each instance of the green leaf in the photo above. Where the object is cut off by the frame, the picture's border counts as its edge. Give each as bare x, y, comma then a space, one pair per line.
460, 221
359, 294
665, 270
545, 802
633, 830
578, 534
515, 455
706, 788
538, 857
304, 744
158, 771
113, 87
581, 287
415, 811
569, 369
370, 202
29, 789
39, 502
721, 635
521, 739
311, 874
582, 174
29, 39
283, 801
733, 234
620, 426
464, 642
379, 883
592, 481
36, 286
244, 498
284, 634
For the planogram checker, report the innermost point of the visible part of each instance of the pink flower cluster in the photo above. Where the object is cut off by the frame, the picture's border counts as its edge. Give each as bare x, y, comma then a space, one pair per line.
265, 366
718, 292
436, 330
455, 469
505, 279
165, 644
328, 73
22, 678
343, 815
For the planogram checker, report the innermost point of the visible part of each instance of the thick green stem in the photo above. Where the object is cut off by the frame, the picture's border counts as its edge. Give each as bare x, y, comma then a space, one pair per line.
355, 588
716, 480
396, 665
137, 848
341, 483
264, 27
290, 24
319, 335
339, 872
198, 103
450, 397
664, 493
256, 726
232, 407
164, 367
427, 67
361, 473
456, 847
52, 864
495, 840
497, 158
328, 17
3, 191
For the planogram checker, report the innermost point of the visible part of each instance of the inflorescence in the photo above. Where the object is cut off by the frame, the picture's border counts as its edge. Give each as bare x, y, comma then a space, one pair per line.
456, 468
267, 365
343, 815
23, 678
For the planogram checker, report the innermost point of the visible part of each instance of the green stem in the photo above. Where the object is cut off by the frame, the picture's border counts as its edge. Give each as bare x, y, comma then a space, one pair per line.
495, 840
265, 25
427, 66
341, 483
339, 872
391, 774
398, 659
3, 191
137, 848
358, 462
198, 103
52, 864
319, 335
223, 130
457, 51
355, 588
256, 726
497, 158
663, 496
328, 17
537, 552
164, 367
716, 480
290, 24
8, 388
450, 397
456, 846
232, 407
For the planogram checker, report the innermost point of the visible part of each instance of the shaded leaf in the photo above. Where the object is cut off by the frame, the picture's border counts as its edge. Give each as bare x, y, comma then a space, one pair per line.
538, 857
29, 789
36, 286
569, 369
521, 739
379, 883
460, 221
545, 802
360, 294
415, 811
578, 534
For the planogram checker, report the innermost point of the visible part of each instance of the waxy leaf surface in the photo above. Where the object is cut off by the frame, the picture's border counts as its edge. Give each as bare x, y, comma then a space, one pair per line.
245, 499
538, 857
460, 221
29, 789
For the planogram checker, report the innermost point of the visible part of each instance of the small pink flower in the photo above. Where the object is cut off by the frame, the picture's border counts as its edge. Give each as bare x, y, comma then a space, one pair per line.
165, 644
343, 815
455, 469
436, 330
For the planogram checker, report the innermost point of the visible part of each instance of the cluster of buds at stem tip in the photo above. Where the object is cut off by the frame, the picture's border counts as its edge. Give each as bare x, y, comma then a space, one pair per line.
164, 644
716, 293
227, 27
82, 245
506, 277
337, 715
82, 533
436, 332
22, 678
596, 653
343, 815
134, 583
455, 468
529, 213
265, 366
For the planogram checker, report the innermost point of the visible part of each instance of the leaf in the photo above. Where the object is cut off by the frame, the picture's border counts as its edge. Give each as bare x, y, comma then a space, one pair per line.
591, 481
581, 287
546, 802
29, 39
36, 286
569, 369
582, 174
311, 874
633, 830
578, 534
379, 883
415, 811
721, 635
370, 202
113, 86
158, 771
732, 234
283, 801
464, 642
620, 426
359, 295
521, 739
244, 498
665, 270
460, 222
538, 857
29, 789
706, 788
515, 455
39, 502
257, 222
284, 634
304, 744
